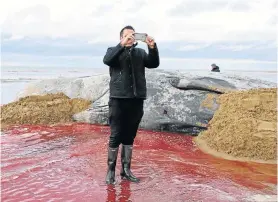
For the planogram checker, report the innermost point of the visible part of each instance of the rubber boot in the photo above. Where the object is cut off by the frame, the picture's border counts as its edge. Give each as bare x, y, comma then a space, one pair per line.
126, 157
111, 162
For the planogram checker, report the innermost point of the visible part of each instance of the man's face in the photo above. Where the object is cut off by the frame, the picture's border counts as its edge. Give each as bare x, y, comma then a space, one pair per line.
127, 32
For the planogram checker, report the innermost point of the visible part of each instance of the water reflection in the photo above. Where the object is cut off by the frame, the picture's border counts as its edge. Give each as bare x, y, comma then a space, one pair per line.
111, 193
68, 163
122, 194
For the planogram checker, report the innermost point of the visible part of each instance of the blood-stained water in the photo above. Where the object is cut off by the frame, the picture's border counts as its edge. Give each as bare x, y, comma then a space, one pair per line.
68, 163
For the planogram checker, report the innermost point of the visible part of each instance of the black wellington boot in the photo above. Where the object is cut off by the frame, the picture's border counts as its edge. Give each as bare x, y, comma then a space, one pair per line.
126, 157
111, 162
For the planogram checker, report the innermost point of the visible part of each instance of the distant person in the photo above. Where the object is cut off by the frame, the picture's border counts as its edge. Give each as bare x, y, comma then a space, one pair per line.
215, 68
127, 94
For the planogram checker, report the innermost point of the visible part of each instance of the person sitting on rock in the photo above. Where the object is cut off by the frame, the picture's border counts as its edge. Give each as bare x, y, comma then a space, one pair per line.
215, 68
127, 94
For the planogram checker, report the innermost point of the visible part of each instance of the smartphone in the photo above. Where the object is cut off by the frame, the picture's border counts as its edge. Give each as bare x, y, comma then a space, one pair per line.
140, 36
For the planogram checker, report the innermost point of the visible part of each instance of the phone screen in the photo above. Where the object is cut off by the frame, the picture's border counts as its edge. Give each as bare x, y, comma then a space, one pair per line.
140, 36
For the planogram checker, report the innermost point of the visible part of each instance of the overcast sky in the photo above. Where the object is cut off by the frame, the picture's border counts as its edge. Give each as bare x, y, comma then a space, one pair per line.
187, 29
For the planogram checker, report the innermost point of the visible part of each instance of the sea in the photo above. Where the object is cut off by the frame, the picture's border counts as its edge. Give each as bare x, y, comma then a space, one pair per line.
15, 78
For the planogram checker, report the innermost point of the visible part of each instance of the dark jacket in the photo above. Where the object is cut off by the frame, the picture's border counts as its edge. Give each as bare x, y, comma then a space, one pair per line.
215, 69
127, 70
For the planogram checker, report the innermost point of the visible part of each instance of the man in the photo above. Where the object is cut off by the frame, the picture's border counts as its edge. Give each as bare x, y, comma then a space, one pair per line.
127, 94
215, 68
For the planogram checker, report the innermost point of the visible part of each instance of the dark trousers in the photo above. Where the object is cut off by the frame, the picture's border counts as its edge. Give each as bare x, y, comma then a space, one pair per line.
124, 118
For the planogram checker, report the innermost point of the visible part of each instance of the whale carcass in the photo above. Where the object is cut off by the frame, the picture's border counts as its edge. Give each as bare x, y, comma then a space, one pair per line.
179, 102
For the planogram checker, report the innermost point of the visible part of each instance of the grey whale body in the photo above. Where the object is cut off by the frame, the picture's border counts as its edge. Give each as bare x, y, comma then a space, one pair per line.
174, 103
175, 100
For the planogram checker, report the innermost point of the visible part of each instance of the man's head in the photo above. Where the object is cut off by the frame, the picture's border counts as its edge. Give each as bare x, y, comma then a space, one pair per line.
125, 31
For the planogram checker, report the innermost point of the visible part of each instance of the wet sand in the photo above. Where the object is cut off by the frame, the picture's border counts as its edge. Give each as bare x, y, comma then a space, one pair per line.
244, 127
202, 145
42, 109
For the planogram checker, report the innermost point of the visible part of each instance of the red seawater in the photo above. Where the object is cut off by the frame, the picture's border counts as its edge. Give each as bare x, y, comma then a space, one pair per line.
68, 163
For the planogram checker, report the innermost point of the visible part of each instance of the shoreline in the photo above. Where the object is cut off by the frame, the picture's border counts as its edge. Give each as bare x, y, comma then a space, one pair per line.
201, 144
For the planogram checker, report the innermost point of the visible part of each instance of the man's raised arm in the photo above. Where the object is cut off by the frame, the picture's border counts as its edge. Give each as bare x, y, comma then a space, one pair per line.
151, 59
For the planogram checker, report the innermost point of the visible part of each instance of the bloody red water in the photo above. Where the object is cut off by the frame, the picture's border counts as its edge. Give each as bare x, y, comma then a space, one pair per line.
68, 163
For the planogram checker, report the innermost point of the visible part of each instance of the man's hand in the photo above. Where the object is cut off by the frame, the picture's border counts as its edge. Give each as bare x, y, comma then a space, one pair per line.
127, 39
150, 41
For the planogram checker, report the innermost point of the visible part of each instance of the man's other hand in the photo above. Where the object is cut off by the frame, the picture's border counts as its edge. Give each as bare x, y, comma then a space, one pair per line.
150, 41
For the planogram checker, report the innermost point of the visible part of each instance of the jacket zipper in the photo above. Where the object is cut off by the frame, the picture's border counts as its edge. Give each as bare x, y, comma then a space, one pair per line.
133, 75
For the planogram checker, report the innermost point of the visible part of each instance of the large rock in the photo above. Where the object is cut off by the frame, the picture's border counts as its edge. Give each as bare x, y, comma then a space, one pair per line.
180, 102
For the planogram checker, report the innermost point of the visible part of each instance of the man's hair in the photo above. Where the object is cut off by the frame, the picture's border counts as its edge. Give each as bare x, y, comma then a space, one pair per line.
126, 27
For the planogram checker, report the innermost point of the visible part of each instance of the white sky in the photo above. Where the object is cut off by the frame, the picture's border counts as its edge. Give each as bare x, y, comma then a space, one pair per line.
198, 21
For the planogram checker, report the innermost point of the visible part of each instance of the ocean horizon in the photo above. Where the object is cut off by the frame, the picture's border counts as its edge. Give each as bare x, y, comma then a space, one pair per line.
15, 78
